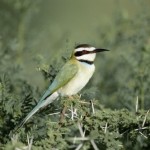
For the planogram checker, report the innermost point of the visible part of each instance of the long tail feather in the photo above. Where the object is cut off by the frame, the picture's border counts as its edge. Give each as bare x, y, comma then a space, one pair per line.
40, 105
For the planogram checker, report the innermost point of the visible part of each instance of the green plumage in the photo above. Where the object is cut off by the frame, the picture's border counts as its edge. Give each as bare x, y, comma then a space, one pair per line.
68, 71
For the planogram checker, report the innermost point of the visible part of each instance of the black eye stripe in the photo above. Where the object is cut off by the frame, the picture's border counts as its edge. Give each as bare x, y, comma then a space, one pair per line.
80, 53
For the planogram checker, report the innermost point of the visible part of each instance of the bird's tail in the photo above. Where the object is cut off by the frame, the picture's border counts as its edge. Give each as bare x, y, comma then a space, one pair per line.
40, 105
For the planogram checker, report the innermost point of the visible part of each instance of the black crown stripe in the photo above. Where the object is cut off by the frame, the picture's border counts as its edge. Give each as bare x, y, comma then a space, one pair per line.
82, 45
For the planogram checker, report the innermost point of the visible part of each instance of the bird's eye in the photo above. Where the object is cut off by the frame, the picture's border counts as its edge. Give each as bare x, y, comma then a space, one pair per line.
79, 53
84, 52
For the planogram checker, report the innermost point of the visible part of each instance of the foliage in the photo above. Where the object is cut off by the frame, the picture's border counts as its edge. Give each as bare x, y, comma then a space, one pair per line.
29, 37
86, 125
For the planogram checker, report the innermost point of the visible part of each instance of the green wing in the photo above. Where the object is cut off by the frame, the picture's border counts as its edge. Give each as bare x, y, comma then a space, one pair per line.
68, 71
64, 76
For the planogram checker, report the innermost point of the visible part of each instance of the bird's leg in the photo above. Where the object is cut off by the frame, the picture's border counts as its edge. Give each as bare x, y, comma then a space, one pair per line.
62, 115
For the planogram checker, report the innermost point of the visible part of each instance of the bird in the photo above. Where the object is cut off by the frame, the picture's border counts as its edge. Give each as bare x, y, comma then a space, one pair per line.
71, 78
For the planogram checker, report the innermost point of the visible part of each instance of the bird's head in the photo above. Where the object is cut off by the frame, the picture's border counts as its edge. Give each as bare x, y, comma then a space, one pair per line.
85, 52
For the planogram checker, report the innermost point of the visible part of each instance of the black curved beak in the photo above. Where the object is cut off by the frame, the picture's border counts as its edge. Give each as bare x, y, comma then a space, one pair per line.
100, 50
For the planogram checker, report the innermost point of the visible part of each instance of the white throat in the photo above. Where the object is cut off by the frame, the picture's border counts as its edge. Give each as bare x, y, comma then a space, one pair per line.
87, 57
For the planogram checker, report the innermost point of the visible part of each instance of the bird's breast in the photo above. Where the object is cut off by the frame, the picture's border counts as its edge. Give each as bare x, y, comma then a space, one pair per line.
82, 77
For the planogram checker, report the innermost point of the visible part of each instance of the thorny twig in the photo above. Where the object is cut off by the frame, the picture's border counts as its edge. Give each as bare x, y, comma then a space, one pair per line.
105, 128
30, 141
145, 118
137, 104
73, 113
92, 105
83, 138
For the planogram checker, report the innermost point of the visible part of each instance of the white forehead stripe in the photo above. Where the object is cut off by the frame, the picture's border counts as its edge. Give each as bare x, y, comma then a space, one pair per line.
85, 48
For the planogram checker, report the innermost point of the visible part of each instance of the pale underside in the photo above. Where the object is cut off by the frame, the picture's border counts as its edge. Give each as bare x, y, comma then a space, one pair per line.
83, 75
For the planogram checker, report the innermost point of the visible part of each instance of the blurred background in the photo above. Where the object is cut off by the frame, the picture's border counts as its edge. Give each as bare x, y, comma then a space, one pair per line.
37, 37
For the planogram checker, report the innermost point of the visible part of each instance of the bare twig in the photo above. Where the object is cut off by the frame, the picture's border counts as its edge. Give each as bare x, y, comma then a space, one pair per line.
79, 146
73, 113
143, 135
143, 128
137, 104
54, 113
30, 141
83, 102
145, 118
94, 145
105, 128
93, 110
79, 139
81, 131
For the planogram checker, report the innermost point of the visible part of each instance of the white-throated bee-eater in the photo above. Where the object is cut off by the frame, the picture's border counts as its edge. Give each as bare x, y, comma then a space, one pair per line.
74, 75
